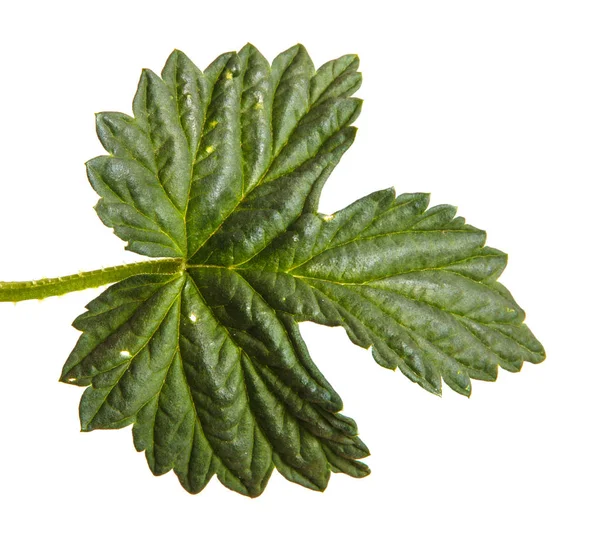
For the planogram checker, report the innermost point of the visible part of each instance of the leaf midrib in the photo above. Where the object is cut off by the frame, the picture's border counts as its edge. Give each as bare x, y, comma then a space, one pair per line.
259, 182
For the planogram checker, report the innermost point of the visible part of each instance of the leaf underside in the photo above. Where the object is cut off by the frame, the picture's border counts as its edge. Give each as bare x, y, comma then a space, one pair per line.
224, 169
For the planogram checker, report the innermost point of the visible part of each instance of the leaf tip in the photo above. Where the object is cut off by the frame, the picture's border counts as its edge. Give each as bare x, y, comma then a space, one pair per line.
389, 192
435, 388
149, 76
359, 103
419, 200
539, 354
365, 471
248, 47
298, 49
363, 447
175, 55
465, 391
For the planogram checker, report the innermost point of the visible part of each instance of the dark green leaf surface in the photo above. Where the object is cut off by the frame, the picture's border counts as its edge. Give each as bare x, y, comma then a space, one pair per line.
214, 380
222, 170
417, 285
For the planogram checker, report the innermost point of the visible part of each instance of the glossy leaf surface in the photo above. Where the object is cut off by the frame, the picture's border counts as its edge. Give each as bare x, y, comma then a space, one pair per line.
222, 170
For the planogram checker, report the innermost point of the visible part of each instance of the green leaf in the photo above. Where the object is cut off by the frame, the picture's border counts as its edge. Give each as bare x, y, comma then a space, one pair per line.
222, 171
214, 380
212, 167
416, 285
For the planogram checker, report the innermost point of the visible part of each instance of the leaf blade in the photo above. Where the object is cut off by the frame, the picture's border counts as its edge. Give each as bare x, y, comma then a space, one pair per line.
416, 285
223, 170
214, 382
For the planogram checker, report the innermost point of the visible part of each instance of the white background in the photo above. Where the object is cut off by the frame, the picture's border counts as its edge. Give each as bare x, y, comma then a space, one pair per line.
491, 106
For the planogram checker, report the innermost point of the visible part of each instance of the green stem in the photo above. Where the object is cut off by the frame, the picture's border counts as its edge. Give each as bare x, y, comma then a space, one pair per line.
49, 287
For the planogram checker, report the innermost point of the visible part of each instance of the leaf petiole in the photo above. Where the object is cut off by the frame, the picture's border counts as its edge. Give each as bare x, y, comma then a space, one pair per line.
49, 287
